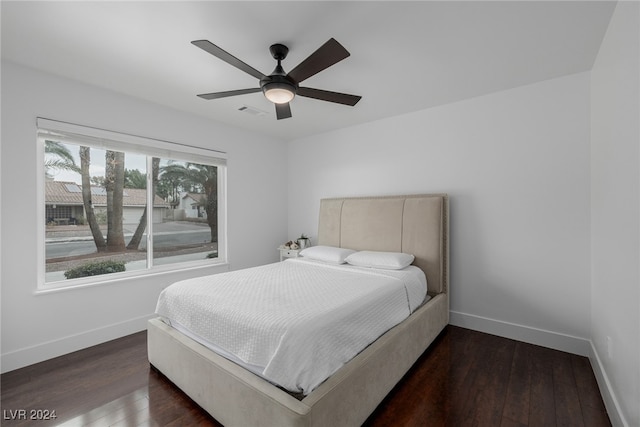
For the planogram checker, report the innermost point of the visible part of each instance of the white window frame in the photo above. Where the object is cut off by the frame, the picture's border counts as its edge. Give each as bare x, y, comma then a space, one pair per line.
100, 138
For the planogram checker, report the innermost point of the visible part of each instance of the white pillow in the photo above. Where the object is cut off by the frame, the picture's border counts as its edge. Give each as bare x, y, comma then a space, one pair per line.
327, 254
384, 260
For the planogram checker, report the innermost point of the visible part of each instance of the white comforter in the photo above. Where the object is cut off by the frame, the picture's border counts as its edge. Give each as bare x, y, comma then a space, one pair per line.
295, 322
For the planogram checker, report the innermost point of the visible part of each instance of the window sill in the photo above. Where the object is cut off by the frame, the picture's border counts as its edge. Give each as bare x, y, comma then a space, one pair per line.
114, 278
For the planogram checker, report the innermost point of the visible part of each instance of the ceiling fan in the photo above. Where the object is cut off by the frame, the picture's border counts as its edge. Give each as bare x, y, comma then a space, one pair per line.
280, 87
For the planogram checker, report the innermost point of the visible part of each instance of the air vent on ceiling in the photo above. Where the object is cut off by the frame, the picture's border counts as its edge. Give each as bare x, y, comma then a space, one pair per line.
252, 110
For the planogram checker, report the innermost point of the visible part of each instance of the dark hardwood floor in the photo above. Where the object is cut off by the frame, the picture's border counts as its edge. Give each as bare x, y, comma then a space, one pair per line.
466, 378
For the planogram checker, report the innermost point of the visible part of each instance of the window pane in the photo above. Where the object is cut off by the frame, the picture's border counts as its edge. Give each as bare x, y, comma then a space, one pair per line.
98, 189
188, 230
94, 205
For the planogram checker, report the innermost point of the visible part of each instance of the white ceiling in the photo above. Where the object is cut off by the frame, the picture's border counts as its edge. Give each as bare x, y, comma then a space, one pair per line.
405, 56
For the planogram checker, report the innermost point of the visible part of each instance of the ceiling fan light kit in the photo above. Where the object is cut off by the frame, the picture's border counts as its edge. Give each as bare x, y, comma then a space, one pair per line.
280, 87
277, 93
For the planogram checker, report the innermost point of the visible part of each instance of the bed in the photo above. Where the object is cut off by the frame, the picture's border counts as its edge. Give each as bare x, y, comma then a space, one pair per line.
233, 395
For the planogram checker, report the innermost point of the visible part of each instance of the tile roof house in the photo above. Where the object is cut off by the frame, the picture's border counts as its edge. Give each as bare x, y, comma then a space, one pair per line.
64, 204
193, 205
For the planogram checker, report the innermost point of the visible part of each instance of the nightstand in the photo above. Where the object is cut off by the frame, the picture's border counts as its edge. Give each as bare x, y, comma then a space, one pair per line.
288, 253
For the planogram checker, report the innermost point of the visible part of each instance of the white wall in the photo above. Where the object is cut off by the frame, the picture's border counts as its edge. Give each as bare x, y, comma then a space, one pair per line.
38, 327
516, 167
615, 204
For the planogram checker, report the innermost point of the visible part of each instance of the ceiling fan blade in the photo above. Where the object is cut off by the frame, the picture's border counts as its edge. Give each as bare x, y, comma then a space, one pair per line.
227, 57
328, 54
325, 95
283, 111
217, 95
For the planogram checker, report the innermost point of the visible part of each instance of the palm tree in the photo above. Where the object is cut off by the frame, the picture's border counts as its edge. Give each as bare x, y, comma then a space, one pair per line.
58, 156
198, 178
172, 181
85, 162
133, 178
114, 186
207, 176
134, 243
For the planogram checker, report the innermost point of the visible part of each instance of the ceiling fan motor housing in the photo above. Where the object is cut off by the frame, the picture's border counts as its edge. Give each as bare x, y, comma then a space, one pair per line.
278, 81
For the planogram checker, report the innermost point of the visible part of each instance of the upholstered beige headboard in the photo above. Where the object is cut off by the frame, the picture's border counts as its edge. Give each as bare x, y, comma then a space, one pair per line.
415, 224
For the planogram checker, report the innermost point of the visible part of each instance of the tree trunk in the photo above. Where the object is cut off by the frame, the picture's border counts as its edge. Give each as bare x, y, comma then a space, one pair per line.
212, 219
114, 184
211, 189
134, 243
85, 161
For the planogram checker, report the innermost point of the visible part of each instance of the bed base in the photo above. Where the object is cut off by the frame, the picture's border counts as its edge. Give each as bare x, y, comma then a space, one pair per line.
236, 397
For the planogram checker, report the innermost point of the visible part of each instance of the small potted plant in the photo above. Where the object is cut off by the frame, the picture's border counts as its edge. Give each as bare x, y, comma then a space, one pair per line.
304, 241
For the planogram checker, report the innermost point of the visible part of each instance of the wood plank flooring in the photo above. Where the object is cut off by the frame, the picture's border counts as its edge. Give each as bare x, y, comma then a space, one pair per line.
466, 378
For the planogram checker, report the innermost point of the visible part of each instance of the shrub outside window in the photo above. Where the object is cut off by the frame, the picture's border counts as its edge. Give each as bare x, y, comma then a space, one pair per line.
116, 204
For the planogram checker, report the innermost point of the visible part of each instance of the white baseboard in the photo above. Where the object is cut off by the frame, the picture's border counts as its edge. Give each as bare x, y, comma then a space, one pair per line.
48, 350
541, 337
614, 410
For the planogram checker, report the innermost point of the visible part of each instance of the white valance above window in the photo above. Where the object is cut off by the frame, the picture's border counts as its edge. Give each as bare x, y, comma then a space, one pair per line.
100, 138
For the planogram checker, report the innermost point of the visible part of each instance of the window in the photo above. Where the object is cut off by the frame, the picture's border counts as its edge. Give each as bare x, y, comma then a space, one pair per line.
120, 204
